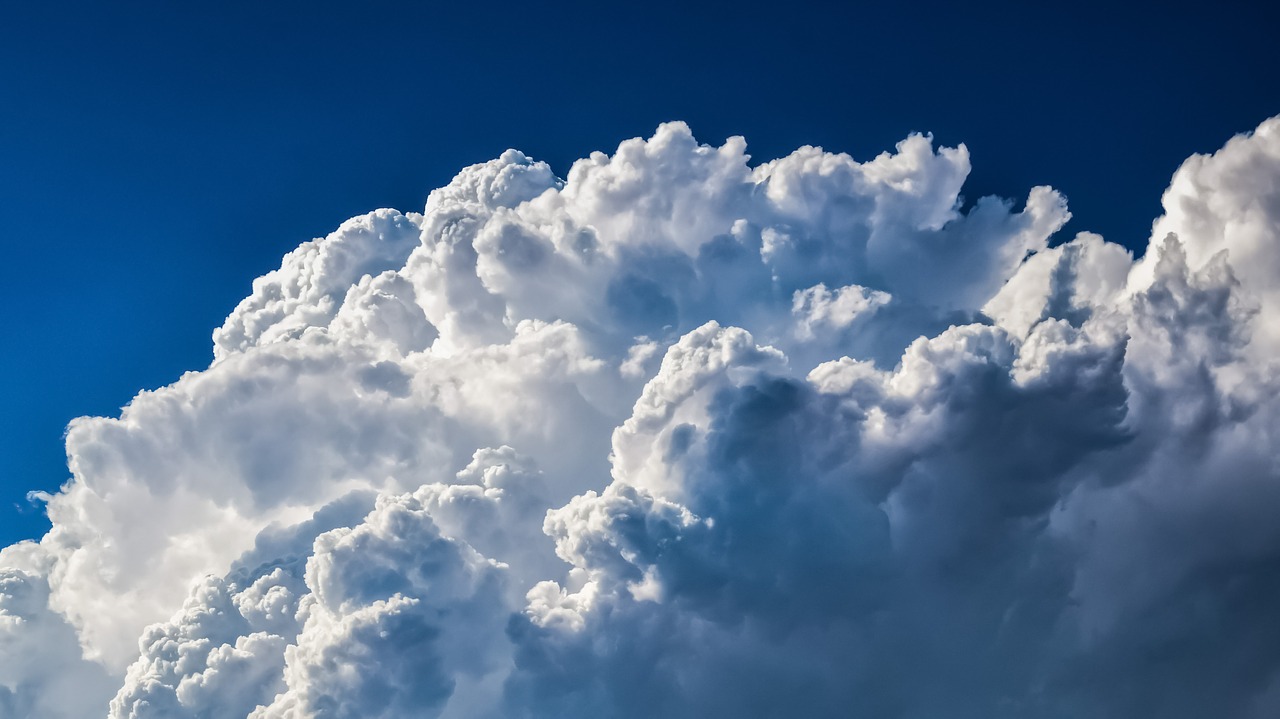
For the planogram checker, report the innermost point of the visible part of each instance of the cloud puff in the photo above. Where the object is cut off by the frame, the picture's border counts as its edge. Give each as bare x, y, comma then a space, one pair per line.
677, 435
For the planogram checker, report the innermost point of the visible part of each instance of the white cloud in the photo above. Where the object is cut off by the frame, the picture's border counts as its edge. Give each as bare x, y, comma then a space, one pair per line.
679, 436
43, 673
819, 310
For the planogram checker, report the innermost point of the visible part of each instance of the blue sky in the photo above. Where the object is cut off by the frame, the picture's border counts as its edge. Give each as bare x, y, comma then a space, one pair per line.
155, 157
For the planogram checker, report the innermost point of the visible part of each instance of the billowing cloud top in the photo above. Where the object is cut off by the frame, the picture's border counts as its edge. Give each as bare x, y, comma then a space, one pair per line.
677, 436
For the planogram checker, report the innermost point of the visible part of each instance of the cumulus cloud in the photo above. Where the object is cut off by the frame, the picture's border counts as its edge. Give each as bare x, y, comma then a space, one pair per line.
679, 435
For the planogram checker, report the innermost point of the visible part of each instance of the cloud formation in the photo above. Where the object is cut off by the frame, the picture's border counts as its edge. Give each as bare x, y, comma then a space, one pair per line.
681, 436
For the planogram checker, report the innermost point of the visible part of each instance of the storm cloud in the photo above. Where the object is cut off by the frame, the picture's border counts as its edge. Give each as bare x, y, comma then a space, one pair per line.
679, 435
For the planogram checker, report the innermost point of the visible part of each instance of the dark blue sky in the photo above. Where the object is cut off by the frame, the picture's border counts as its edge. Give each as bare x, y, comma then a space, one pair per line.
156, 157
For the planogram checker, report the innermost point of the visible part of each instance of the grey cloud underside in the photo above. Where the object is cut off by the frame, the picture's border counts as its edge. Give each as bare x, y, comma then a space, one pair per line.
678, 436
